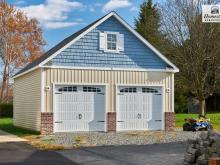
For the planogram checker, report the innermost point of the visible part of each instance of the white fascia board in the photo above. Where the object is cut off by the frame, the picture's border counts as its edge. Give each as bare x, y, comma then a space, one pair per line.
175, 69
77, 38
27, 71
146, 42
67, 45
110, 69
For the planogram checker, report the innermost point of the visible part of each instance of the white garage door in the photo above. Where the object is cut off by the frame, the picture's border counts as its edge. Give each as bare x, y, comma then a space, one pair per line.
79, 108
139, 108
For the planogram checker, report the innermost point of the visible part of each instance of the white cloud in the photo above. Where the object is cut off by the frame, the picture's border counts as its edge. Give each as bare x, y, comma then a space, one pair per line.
115, 4
57, 25
134, 8
52, 12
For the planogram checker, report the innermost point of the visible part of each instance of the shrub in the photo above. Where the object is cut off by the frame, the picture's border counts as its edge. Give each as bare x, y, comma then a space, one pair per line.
6, 109
181, 102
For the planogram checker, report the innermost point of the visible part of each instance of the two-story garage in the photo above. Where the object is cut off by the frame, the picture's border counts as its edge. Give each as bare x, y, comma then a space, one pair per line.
105, 77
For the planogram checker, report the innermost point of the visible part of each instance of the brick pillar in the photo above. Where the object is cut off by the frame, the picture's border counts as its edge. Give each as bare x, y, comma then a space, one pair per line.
214, 161
46, 123
170, 120
111, 122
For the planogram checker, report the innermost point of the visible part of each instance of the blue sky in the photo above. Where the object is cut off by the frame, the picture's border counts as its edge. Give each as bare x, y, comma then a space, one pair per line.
61, 18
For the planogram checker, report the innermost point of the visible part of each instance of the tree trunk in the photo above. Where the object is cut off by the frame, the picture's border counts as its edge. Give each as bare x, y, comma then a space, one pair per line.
7, 85
202, 107
4, 84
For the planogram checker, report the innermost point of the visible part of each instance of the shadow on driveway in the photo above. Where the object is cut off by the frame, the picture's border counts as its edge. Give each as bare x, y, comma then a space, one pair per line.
20, 153
153, 154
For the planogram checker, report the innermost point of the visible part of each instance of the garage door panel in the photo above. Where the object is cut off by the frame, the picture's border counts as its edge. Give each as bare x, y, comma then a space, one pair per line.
80, 110
139, 108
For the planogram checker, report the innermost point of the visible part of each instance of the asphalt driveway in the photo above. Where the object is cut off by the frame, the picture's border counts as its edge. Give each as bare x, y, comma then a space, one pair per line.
20, 153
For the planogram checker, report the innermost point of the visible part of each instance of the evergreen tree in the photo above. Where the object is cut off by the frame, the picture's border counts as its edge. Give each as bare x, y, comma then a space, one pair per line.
148, 23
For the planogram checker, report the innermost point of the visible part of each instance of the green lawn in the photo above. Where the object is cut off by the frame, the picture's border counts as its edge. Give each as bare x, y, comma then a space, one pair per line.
6, 124
214, 117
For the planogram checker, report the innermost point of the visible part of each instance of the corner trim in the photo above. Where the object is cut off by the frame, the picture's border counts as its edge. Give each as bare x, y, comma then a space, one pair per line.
42, 90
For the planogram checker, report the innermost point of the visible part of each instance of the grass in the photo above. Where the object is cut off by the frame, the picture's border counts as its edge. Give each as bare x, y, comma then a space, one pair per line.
6, 124
214, 119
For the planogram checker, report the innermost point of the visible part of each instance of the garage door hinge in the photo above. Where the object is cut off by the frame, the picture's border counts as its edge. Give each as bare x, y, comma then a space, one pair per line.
157, 120
58, 122
58, 93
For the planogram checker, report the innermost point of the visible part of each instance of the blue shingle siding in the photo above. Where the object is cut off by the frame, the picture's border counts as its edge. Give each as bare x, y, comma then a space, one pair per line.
85, 52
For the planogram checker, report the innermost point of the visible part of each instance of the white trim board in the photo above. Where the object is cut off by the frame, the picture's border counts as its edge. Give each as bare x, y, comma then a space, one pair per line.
128, 27
175, 69
109, 69
42, 90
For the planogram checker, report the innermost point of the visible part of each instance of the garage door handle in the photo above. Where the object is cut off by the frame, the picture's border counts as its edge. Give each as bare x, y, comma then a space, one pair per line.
120, 121
100, 93
157, 94
58, 93
58, 122
157, 120
100, 121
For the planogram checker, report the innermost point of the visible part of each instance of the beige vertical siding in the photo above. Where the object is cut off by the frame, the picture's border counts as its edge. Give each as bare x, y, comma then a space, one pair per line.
111, 78
27, 100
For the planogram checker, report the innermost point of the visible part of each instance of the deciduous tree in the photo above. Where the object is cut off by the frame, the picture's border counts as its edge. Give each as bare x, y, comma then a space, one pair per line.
21, 42
197, 47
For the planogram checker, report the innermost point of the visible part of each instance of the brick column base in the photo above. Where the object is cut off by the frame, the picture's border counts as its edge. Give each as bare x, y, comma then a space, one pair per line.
46, 123
214, 161
170, 120
111, 122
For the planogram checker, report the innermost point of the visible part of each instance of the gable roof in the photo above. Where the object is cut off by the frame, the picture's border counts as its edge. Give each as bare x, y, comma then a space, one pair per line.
74, 37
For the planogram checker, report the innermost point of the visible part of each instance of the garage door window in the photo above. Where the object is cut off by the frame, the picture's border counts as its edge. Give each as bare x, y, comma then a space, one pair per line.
91, 89
68, 89
128, 90
149, 90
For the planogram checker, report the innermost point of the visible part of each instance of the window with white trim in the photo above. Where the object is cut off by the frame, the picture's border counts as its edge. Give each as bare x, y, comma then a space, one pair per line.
128, 90
149, 90
111, 42
68, 89
91, 89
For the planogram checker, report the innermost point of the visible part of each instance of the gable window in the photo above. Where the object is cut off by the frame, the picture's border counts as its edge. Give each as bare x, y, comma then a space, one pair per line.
111, 42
